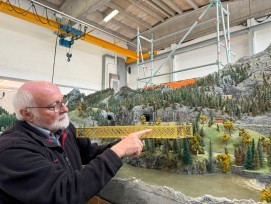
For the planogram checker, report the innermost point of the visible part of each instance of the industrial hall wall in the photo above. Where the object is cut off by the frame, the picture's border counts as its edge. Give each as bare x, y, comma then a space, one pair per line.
28, 50
202, 55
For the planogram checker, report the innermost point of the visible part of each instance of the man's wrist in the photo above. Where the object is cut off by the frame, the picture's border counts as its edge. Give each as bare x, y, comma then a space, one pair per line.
117, 151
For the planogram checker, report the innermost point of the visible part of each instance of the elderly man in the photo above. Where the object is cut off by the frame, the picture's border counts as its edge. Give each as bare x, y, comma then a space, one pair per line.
41, 159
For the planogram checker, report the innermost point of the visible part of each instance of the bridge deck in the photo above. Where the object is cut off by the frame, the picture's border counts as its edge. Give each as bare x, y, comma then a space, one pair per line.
163, 132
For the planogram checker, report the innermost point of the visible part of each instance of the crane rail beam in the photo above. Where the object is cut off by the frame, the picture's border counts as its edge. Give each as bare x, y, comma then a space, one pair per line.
161, 132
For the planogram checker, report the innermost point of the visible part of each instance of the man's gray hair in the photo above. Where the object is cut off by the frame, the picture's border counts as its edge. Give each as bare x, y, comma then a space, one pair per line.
22, 99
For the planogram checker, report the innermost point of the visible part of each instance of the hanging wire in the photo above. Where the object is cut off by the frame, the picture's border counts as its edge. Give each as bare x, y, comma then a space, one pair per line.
54, 62
83, 36
12, 8
37, 15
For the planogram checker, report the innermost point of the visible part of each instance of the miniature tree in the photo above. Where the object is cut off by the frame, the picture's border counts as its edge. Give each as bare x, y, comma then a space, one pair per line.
142, 119
210, 166
175, 147
252, 149
260, 152
151, 145
187, 157
166, 146
226, 138
265, 143
217, 128
245, 136
194, 144
147, 144
266, 195
269, 159
228, 125
202, 135
239, 155
203, 119
224, 161
158, 122
256, 160
248, 162
195, 127
211, 121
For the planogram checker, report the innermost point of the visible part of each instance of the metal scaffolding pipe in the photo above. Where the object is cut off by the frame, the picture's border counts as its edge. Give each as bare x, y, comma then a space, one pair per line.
181, 41
226, 35
183, 70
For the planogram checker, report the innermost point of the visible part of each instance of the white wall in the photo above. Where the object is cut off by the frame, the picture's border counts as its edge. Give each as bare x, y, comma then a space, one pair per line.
27, 52
207, 55
132, 82
203, 56
6, 102
262, 39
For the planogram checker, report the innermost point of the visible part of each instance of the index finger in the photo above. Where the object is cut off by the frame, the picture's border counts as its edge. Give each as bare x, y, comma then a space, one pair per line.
142, 132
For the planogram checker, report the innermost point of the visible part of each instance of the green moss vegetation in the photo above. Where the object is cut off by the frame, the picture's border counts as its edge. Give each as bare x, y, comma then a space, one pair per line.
215, 136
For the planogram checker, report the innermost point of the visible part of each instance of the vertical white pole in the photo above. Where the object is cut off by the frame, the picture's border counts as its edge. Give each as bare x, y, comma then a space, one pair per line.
224, 32
217, 34
151, 69
143, 66
137, 55
228, 32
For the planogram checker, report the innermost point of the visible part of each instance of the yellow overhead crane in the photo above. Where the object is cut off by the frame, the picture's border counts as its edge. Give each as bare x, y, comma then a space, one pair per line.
53, 25
158, 132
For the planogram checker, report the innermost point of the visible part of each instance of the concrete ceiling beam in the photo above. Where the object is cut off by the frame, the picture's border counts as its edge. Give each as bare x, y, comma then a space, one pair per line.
144, 8
153, 5
240, 12
173, 6
77, 8
165, 7
193, 4
129, 15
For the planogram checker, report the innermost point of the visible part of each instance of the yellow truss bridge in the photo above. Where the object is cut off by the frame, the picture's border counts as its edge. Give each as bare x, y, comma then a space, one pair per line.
162, 132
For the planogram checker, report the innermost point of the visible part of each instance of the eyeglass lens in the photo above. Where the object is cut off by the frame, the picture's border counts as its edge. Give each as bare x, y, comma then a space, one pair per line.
58, 106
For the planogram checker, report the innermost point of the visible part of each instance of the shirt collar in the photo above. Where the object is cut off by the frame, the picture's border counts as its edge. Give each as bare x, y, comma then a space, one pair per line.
42, 130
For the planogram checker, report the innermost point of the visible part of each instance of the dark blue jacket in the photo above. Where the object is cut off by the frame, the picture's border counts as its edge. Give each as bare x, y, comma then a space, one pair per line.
36, 170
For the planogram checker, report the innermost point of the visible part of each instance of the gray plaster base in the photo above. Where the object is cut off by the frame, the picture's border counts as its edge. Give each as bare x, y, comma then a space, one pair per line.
133, 191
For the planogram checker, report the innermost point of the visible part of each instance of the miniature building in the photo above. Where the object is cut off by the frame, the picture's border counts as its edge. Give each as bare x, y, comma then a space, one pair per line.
219, 120
227, 97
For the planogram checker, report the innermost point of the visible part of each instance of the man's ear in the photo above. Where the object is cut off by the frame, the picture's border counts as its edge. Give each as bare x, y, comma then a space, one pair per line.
27, 115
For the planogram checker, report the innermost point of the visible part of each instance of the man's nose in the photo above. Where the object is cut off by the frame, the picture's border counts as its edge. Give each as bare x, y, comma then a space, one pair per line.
64, 107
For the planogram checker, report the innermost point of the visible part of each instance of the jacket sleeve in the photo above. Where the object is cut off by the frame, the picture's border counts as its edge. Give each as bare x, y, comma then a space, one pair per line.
88, 150
29, 176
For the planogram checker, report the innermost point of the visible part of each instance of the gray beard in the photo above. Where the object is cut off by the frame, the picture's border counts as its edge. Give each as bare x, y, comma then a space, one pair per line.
57, 125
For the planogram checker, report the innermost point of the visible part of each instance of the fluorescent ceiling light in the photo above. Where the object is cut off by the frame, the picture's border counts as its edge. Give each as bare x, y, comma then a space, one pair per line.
111, 15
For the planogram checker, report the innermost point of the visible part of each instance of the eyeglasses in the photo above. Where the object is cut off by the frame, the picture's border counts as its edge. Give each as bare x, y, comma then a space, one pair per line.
56, 107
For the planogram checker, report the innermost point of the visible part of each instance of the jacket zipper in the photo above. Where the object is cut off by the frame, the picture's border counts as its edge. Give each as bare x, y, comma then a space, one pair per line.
67, 160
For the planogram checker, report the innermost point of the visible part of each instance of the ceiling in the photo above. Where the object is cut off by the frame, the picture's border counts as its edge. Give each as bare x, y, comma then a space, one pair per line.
166, 20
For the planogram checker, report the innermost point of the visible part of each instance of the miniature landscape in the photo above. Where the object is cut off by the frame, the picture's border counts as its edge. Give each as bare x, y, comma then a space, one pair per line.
230, 112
